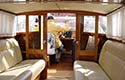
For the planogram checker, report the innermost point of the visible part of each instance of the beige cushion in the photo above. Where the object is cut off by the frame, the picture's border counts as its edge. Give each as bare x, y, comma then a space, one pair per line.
2, 68
85, 70
26, 70
112, 60
111, 64
10, 53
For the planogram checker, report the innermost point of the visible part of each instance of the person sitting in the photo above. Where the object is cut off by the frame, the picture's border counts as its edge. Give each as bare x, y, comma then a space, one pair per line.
55, 29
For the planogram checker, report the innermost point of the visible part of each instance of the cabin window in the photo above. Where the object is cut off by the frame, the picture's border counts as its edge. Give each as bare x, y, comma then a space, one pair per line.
102, 24
33, 23
62, 18
35, 32
89, 24
21, 23
116, 25
87, 32
7, 24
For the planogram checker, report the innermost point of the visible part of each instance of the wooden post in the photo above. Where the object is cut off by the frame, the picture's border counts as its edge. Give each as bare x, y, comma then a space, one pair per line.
27, 36
77, 37
96, 36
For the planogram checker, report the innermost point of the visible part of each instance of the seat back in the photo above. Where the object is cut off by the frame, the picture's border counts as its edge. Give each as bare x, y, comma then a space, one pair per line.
10, 53
112, 59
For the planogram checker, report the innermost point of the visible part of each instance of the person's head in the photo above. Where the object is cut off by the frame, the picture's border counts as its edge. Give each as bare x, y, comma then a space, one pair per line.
50, 17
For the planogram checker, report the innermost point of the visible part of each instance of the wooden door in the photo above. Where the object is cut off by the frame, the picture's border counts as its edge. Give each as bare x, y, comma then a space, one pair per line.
87, 37
36, 37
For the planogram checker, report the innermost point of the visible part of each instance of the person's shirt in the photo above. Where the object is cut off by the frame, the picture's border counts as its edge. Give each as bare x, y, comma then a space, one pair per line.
55, 29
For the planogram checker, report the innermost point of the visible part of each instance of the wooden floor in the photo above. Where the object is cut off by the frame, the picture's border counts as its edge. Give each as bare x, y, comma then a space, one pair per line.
62, 70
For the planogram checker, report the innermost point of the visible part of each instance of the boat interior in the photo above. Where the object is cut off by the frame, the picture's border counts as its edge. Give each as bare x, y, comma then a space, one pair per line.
95, 35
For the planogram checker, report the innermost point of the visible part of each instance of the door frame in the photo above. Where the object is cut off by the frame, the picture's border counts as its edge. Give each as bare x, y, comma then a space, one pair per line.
42, 52
78, 37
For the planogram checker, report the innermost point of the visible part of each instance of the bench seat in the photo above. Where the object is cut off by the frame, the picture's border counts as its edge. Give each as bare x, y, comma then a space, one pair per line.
12, 67
111, 64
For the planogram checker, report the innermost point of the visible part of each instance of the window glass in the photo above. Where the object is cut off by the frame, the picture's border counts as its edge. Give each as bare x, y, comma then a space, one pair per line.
102, 24
34, 34
33, 23
42, 32
21, 23
89, 24
62, 18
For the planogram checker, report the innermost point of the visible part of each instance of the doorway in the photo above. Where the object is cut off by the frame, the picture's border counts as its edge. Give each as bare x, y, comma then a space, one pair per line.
66, 37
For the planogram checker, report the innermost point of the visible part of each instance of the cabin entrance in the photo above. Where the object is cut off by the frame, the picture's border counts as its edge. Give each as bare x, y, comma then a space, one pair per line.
61, 29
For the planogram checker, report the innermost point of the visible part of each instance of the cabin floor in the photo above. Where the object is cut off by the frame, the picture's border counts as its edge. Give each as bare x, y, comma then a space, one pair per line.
62, 70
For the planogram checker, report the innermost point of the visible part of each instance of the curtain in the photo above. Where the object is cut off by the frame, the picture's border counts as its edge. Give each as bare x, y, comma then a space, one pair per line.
116, 25
7, 24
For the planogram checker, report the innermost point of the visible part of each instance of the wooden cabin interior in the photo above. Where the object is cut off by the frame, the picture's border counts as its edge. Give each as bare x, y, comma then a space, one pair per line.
91, 24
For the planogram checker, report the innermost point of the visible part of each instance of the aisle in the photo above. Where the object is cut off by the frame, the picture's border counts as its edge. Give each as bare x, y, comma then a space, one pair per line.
62, 70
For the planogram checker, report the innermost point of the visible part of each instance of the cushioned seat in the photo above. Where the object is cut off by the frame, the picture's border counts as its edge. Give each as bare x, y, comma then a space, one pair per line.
12, 67
111, 64
85, 70
33, 67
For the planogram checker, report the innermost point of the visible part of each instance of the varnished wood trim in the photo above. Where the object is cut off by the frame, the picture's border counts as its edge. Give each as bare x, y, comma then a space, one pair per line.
87, 52
27, 36
36, 51
39, 17
116, 40
45, 35
39, 12
77, 37
7, 37
7, 11
92, 52
96, 36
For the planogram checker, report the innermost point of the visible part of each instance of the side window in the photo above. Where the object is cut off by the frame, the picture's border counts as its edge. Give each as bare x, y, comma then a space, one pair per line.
89, 24
21, 23
102, 24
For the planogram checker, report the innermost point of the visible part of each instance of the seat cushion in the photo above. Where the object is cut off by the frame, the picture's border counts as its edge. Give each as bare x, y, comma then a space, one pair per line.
85, 70
2, 68
112, 59
28, 69
10, 53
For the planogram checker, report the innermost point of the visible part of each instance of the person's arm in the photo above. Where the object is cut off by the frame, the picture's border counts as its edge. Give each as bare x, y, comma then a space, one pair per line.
65, 27
58, 28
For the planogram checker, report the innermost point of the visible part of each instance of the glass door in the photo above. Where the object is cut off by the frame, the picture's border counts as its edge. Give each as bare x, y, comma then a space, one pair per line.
88, 36
36, 36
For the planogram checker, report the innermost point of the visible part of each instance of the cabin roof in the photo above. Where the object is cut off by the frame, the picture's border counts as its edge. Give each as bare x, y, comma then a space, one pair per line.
103, 8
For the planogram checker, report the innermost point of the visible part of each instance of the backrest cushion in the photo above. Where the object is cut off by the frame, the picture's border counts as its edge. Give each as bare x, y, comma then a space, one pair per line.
2, 68
10, 53
112, 60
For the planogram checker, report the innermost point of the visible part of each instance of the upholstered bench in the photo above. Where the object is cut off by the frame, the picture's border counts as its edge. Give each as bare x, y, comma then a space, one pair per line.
111, 64
12, 67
